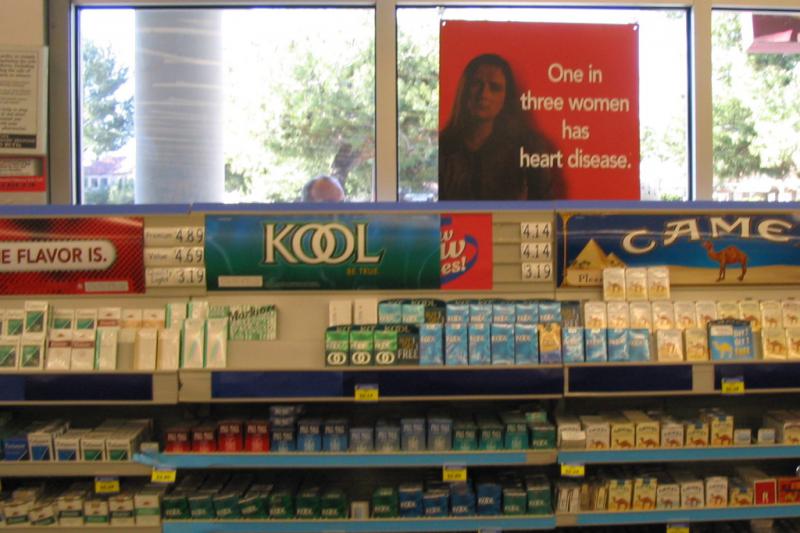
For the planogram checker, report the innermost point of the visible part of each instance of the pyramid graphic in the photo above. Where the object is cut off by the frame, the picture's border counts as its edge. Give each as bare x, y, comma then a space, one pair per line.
591, 257
614, 261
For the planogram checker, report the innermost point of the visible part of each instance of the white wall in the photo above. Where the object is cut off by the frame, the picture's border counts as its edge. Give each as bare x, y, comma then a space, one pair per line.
22, 22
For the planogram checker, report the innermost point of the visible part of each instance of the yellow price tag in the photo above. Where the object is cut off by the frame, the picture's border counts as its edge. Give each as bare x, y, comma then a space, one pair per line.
106, 485
367, 393
454, 473
732, 385
677, 529
573, 470
160, 475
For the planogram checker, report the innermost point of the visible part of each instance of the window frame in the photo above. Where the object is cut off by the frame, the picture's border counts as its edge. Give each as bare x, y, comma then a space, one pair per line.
63, 128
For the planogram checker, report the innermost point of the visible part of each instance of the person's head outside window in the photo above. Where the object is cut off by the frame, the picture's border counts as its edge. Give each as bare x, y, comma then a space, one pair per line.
323, 189
480, 145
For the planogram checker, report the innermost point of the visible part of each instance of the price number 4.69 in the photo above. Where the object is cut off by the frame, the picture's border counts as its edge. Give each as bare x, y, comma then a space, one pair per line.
537, 271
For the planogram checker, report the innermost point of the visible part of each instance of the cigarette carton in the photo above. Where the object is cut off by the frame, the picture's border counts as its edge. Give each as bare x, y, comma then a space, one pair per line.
696, 432
168, 349
685, 314
83, 349
362, 346
598, 432
572, 342
663, 315
790, 313
773, 343
639, 344
595, 315
526, 312
549, 343
480, 311
309, 435
106, 341
716, 491
32, 352
750, 310
337, 345
550, 312
669, 344
636, 284
457, 311
412, 434
641, 315
618, 314
658, 283
613, 285
740, 493
771, 314
502, 343
696, 341
728, 309
595, 345
36, 318
431, 344
456, 344
793, 343
480, 352
147, 507
623, 432
692, 490
62, 318
647, 429
526, 344
14, 322
504, 312
618, 349
645, 493
146, 349
192, 349
385, 345
387, 436
216, 343
671, 433
620, 493
390, 312
668, 494
85, 319
59, 349
121, 510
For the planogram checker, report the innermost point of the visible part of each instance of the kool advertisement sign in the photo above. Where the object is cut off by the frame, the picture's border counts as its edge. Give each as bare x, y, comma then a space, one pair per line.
342, 252
347, 252
71, 255
538, 111
699, 248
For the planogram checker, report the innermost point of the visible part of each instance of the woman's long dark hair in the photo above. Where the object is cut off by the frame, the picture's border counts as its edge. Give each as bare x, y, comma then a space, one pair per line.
510, 115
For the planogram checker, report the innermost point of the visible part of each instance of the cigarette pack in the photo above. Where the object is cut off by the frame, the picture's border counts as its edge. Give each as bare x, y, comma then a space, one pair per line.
36, 317
216, 343
192, 351
771, 314
618, 349
456, 344
658, 283
706, 312
595, 316
696, 341
685, 314
9, 353
663, 315
639, 344
458, 311
728, 309
504, 313
549, 343
14, 322
62, 318
337, 345
59, 349
480, 311
596, 345
793, 342
527, 312
32, 352
431, 344
790, 311
613, 284
636, 284
480, 347
645, 493
526, 344
572, 344
85, 318
669, 344
750, 310
550, 312
502, 344
362, 345
773, 343
83, 349
618, 315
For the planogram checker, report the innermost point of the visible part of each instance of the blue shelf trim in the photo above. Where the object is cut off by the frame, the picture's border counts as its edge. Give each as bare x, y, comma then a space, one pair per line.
330, 460
50, 387
501, 381
678, 454
471, 523
761, 376
629, 378
688, 515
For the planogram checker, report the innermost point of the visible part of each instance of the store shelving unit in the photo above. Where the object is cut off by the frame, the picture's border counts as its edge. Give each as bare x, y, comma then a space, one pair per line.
661, 455
757, 512
347, 460
72, 468
470, 523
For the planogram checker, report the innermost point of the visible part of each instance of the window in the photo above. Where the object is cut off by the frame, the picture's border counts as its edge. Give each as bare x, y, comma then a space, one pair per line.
663, 86
756, 96
233, 105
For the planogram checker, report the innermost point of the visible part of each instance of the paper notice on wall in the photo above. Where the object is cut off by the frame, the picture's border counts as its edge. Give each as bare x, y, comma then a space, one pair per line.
22, 174
23, 100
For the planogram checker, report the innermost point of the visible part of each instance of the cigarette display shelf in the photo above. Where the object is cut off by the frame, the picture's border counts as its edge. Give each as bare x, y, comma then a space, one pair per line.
89, 388
72, 468
469, 523
412, 383
346, 460
680, 378
707, 514
659, 455
72, 529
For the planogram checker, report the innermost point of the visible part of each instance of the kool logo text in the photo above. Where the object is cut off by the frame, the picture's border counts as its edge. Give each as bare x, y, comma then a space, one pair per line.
318, 244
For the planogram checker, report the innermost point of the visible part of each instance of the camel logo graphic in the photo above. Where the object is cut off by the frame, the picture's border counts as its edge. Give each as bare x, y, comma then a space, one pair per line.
730, 255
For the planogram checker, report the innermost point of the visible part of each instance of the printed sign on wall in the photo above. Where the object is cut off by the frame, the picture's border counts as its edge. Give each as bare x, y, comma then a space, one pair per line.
466, 251
538, 111
97, 255
700, 249
336, 252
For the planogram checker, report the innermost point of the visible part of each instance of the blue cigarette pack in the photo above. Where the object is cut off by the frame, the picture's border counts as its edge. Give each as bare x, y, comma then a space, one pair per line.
504, 313
480, 348
572, 344
436, 502
618, 349
413, 313
456, 337
412, 434
639, 344
390, 312
15, 447
502, 344
309, 435
571, 314
527, 312
526, 344
720, 339
431, 340
458, 311
489, 497
595, 340
410, 495
334, 435
480, 311
550, 312
283, 439
462, 499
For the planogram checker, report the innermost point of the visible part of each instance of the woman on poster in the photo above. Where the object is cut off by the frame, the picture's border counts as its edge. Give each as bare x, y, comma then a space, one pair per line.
480, 148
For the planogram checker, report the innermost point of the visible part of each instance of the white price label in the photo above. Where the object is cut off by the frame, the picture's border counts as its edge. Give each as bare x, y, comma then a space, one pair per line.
174, 236
176, 277
537, 271
173, 256
535, 231
535, 250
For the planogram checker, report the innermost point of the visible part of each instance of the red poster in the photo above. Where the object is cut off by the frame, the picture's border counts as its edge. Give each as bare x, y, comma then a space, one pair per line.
466, 252
538, 111
101, 255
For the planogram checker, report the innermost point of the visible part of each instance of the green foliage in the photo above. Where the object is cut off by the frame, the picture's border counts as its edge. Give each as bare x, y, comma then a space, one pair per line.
107, 119
756, 104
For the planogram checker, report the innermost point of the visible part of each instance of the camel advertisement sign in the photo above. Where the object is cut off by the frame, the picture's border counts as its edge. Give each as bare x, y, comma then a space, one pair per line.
698, 248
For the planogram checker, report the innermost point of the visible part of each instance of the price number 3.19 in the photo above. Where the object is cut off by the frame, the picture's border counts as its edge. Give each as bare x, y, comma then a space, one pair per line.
537, 271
